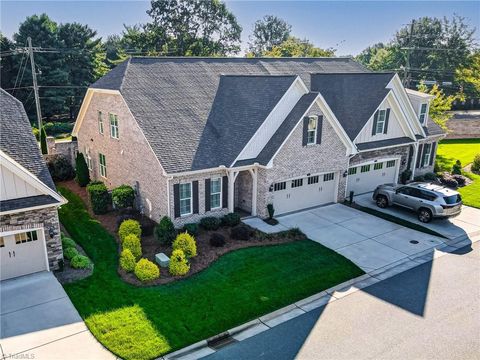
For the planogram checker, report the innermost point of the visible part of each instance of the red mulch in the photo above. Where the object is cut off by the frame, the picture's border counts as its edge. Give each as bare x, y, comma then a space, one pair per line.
207, 254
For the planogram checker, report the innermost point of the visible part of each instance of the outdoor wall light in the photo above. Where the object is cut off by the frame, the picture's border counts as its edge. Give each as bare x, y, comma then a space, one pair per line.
345, 173
270, 189
404, 161
51, 232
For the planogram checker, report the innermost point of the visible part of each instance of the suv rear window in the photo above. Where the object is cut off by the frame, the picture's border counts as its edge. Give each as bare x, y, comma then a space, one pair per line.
453, 199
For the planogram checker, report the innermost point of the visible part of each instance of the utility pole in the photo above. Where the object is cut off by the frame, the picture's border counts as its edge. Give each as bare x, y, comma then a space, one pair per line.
35, 86
407, 78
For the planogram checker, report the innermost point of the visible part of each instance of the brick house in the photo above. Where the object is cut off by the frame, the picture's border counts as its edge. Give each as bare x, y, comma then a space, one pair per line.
29, 227
206, 136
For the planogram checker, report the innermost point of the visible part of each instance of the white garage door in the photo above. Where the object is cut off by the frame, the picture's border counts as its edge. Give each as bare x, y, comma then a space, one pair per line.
302, 193
22, 254
364, 178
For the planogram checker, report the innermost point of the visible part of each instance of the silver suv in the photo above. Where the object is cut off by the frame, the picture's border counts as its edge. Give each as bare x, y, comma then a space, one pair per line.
427, 200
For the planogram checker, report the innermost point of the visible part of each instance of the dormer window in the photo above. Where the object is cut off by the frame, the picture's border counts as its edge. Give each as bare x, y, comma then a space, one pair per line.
423, 113
312, 130
381, 122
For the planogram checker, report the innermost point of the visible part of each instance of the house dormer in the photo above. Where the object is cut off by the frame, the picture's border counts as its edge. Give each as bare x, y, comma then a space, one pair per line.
421, 104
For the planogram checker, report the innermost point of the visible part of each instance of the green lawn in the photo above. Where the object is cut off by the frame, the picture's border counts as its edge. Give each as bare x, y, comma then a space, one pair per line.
464, 150
143, 323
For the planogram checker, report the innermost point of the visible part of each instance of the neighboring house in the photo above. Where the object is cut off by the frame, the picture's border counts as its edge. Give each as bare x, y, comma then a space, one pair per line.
206, 136
464, 124
29, 227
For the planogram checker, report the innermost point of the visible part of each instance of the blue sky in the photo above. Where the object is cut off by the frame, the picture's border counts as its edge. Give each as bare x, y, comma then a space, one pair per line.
349, 26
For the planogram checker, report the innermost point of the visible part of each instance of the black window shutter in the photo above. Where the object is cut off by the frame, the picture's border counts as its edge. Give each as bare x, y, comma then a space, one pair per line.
305, 131
207, 194
387, 115
195, 196
432, 154
419, 155
225, 192
375, 119
319, 129
176, 200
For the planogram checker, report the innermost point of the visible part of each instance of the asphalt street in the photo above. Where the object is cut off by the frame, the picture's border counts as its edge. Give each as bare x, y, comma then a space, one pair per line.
429, 312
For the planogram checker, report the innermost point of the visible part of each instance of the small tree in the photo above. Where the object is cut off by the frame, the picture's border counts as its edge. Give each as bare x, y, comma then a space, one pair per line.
186, 243
132, 242
457, 168
271, 211
165, 231
178, 263
99, 197
83, 176
128, 227
123, 196
43, 141
127, 260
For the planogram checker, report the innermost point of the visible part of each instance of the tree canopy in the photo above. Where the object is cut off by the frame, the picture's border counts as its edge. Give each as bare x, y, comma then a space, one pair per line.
295, 47
268, 32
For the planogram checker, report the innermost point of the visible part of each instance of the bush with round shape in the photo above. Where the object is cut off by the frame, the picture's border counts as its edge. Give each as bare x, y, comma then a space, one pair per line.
99, 197
123, 197
80, 262
70, 253
127, 260
476, 163
165, 231
210, 223
129, 227
68, 243
186, 243
231, 219
217, 240
430, 176
191, 228
457, 168
419, 178
460, 179
132, 242
178, 263
241, 232
405, 176
60, 168
145, 270
83, 175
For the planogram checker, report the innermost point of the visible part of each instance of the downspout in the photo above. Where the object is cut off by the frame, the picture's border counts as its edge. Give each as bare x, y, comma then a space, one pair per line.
414, 161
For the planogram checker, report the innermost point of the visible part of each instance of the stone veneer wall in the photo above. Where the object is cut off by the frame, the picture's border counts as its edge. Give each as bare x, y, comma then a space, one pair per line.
68, 148
427, 168
296, 160
46, 218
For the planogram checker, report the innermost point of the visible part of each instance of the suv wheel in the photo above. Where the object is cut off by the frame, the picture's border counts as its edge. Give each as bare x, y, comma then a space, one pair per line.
424, 215
382, 201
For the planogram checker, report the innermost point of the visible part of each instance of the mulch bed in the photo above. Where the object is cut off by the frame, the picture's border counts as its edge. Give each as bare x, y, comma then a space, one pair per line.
206, 254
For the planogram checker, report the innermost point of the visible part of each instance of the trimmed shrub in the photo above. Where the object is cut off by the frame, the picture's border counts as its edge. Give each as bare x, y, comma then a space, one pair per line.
165, 231
80, 262
60, 168
476, 163
83, 176
430, 176
99, 197
405, 176
70, 253
186, 243
127, 260
132, 242
457, 168
145, 270
129, 227
460, 179
178, 263
217, 240
241, 232
420, 178
271, 211
123, 196
43, 141
191, 228
448, 180
231, 220
68, 243
210, 223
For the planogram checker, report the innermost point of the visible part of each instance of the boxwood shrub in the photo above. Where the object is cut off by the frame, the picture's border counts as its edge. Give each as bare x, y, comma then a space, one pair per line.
165, 231
123, 196
217, 240
210, 223
178, 263
191, 228
231, 219
128, 227
70, 253
99, 197
241, 232
68, 243
145, 270
80, 262
132, 242
127, 260
186, 243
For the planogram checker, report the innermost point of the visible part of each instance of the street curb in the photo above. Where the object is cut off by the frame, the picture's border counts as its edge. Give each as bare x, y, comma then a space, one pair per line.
337, 292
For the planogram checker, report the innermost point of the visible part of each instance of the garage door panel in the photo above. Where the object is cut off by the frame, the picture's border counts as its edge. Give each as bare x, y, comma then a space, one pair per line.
365, 178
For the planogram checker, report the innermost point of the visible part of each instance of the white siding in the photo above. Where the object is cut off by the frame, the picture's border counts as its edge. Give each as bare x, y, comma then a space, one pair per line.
14, 187
394, 129
417, 103
273, 121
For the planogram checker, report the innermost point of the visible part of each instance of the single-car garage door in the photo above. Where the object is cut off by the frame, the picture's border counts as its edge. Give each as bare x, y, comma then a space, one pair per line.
22, 253
366, 177
302, 193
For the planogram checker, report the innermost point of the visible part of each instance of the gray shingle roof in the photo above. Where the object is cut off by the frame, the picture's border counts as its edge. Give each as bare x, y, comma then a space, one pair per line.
383, 143
353, 97
17, 139
433, 129
27, 202
171, 98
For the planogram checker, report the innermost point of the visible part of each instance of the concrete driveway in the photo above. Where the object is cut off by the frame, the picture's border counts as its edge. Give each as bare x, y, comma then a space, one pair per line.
38, 321
372, 243
466, 225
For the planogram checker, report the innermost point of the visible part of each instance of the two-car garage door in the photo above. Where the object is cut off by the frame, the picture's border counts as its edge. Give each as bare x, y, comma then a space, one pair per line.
302, 193
366, 177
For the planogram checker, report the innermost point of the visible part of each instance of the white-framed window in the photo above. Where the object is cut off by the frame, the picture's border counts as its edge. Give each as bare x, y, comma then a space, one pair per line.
381, 122
312, 180
216, 193
423, 113
279, 186
378, 166
103, 165
185, 193
427, 150
113, 125
88, 158
352, 171
100, 122
390, 163
312, 130
328, 177
297, 183
365, 168
25, 237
